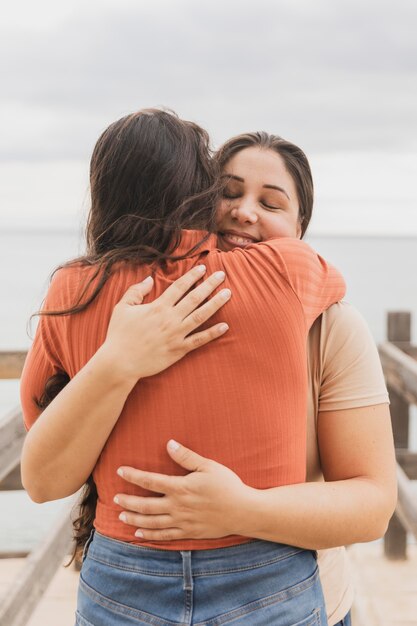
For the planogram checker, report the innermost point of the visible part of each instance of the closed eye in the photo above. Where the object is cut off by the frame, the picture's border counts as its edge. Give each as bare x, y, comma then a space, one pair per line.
270, 206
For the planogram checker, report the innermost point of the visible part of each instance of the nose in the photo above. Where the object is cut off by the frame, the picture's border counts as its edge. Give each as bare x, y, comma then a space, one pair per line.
244, 214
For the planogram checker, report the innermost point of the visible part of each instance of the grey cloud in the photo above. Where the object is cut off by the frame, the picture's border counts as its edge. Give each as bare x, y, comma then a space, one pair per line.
334, 74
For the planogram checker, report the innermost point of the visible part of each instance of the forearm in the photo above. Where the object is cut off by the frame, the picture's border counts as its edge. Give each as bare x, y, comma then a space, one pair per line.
317, 515
63, 445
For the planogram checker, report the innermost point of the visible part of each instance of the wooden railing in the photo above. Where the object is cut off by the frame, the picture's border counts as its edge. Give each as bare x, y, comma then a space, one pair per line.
398, 358
25, 591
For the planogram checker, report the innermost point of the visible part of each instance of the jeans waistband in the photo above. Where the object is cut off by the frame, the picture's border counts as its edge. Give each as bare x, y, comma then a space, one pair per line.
203, 562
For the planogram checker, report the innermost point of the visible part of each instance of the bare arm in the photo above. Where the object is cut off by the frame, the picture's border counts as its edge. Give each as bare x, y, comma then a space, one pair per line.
64, 443
354, 505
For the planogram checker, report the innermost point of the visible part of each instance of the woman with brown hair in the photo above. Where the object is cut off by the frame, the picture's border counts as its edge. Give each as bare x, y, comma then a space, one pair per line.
347, 407
115, 368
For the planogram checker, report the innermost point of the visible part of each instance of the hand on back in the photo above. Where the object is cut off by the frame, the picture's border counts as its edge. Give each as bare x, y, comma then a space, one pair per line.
145, 339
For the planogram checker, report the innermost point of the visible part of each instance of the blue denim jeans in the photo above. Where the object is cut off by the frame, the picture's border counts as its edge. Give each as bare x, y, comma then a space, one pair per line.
254, 584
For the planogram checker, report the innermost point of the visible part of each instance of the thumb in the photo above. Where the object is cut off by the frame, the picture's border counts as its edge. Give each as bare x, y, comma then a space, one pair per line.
185, 457
136, 293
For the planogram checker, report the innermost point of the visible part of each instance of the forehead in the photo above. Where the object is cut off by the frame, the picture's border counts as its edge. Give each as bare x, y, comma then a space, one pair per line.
259, 165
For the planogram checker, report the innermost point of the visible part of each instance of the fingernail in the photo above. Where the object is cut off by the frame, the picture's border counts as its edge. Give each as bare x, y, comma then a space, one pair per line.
148, 279
225, 294
173, 444
201, 268
116, 499
223, 328
123, 517
219, 275
138, 533
120, 472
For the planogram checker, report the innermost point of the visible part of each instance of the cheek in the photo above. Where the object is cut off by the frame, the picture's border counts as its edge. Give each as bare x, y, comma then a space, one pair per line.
223, 208
280, 225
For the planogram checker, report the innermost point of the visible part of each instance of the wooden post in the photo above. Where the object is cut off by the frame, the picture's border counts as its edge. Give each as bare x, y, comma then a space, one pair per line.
12, 481
399, 333
11, 363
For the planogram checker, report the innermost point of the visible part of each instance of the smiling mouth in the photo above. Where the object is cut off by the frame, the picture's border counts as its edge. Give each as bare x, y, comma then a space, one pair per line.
237, 240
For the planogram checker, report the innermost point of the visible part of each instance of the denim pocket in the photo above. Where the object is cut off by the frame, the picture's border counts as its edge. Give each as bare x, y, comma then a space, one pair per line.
312, 620
120, 612
81, 621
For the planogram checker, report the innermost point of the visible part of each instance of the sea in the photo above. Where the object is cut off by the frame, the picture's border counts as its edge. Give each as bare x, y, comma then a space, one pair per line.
381, 276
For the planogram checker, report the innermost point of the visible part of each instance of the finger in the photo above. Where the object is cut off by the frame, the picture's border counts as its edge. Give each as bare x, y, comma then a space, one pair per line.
180, 287
151, 481
205, 336
136, 293
193, 299
186, 457
143, 505
151, 522
204, 312
167, 534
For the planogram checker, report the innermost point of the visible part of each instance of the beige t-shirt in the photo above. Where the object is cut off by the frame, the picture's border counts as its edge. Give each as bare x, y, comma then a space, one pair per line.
345, 373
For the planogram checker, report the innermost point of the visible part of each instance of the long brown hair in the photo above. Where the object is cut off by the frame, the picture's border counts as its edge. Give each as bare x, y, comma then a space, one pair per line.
295, 161
151, 175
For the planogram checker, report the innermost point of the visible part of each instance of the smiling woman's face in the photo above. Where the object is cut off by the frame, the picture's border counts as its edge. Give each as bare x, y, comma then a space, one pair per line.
259, 201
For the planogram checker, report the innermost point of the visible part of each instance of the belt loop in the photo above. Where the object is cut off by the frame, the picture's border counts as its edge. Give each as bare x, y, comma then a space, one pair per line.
186, 569
86, 545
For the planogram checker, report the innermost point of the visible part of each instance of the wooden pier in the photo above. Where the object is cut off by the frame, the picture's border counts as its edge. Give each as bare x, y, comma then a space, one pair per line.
36, 590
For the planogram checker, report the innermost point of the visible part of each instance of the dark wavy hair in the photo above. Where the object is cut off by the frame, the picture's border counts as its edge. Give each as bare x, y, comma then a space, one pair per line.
295, 161
151, 175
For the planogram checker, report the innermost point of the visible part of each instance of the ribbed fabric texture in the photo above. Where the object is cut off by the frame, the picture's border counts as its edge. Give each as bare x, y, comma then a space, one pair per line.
240, 400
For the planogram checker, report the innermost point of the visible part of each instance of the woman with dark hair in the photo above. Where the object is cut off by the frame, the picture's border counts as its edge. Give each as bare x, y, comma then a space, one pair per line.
347, 406
89, 287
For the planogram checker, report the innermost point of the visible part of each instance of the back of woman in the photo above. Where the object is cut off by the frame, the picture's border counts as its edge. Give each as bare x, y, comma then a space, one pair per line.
136, 227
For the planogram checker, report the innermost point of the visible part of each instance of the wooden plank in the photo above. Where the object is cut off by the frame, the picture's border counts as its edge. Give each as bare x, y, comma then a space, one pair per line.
407, 501
12, 435
408, 461
28, 587
14, 554
11, 364
399, 326
400, 371
387, 589
392, 358
400, 415
12, 481
408, 349
395, 540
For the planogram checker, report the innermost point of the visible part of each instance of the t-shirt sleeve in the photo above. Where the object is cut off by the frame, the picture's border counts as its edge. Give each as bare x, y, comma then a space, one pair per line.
44, 358
352, 375
316, 283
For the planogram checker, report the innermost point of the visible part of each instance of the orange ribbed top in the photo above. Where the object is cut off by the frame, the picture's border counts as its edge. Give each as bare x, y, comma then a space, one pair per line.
240, 400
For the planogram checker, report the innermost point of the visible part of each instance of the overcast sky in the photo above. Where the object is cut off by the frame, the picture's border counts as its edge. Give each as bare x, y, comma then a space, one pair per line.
338, 77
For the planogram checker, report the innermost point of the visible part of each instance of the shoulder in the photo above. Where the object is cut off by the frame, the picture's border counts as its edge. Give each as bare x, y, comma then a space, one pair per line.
344, 356
281, 247
288, 248
339, 330
67, 284
343, 317
343, 326
287, 256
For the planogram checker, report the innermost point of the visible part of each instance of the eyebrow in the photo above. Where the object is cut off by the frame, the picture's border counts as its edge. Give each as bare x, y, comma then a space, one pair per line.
242, 180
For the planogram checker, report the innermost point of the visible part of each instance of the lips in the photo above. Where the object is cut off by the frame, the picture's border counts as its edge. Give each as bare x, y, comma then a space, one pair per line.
234, 238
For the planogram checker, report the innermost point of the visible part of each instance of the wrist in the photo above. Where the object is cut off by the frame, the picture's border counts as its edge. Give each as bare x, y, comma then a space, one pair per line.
114, 369
249, 510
